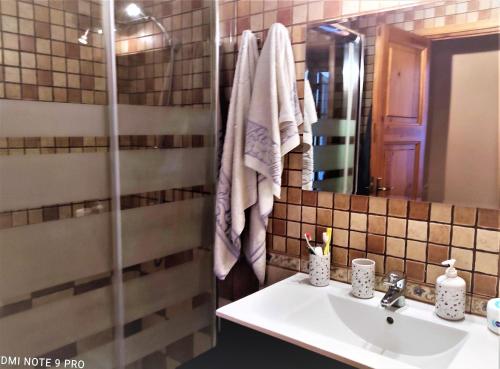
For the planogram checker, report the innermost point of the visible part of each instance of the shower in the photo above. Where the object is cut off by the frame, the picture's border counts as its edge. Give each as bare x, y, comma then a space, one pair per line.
136, 15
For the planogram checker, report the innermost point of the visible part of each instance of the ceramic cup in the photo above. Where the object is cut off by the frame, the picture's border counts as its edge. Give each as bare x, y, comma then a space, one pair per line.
319, 270
363, 278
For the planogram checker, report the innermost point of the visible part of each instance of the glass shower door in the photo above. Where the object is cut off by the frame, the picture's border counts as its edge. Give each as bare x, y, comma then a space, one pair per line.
166, 164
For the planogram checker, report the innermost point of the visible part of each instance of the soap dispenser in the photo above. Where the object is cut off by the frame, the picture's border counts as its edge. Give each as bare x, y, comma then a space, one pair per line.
450, 293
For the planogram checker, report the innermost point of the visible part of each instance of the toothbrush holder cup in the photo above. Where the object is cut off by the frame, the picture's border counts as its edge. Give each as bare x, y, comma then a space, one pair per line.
319, 270
363, 278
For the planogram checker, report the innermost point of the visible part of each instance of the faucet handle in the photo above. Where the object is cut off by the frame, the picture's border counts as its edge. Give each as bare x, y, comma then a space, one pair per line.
395, 279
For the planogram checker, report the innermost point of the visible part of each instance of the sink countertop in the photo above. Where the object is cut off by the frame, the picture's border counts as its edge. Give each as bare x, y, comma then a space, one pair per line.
320, 319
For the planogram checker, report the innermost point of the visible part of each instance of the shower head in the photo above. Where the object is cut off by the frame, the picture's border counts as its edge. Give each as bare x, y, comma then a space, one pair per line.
83, 39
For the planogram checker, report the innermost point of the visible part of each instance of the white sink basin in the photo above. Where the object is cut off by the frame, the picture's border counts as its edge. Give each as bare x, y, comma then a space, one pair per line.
329, 321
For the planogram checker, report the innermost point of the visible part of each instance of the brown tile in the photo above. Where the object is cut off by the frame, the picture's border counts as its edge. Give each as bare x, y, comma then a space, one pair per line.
294, 195
279, 227
5, 220
417, 230
293, 229
379, 262
293, 247
332, 9
485, 285
419, 210
309, 198
341, 201
42, 29
44, 78
488, 218
394, 265
464, 216
339, 256
284, 16
325, 200
324, 217
355, 254
359, 203
378, 205
439, 233
376, 224
415, 271
398, 208
27, 43
395, 247
50, 213
279, 244
29, 92
436, 254
375, 244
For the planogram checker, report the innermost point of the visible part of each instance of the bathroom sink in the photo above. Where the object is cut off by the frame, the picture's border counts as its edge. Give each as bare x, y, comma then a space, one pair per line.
329, 321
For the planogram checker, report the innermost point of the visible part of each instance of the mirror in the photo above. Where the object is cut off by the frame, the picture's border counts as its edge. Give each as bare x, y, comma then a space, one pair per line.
334, 56
403, 114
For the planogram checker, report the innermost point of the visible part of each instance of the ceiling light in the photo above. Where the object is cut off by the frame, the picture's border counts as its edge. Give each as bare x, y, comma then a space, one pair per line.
133, 10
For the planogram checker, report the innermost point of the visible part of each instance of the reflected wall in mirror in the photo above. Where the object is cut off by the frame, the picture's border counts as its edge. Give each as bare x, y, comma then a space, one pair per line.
334, 57
427, 125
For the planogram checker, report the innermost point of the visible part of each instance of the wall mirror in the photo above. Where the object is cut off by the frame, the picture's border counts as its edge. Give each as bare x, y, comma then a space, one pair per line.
408, 114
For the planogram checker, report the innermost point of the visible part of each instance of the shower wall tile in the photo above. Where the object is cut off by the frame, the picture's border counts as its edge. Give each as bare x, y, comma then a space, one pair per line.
414, 237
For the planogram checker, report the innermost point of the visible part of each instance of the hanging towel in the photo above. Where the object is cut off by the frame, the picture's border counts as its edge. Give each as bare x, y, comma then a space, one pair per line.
271, 132
237, 184
310, 117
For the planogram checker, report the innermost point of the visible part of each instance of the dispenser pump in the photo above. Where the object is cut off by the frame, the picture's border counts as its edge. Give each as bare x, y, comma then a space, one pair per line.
451, 272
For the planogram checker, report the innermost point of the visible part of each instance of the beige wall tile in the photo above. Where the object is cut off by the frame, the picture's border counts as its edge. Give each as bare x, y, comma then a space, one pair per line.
439, 233
441, 212
395, 247
417, 230
488, 240
463, 237
416, 250
358, 221
463, 257
396, 227
357, 240
340, 237
486, 263
378, 205
340, 219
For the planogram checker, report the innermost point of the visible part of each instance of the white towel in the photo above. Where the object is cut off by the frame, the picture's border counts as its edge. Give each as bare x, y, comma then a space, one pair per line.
271, 132
310, 117
237, 184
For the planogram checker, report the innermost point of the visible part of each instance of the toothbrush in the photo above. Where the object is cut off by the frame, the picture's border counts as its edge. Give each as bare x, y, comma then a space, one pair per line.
327, 236
313, 250
307, 236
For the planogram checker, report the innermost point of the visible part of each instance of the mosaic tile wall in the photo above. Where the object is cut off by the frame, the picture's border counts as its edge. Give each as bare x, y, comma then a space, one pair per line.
408, 236
143, 58
41, 58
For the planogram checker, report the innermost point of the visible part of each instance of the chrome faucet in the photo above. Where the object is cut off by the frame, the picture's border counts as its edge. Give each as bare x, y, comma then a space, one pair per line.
395, 295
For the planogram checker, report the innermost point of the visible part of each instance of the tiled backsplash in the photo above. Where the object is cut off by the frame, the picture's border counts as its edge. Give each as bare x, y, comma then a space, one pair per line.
413, 237
407, 236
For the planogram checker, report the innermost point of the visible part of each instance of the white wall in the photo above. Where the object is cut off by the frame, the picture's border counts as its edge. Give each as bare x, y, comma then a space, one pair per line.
463, 133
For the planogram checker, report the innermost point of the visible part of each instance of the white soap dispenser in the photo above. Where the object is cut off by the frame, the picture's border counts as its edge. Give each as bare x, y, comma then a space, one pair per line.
450, 293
